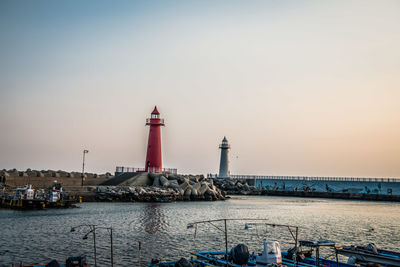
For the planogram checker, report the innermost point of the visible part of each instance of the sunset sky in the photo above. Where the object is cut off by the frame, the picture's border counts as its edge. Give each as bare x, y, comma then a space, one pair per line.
297, 87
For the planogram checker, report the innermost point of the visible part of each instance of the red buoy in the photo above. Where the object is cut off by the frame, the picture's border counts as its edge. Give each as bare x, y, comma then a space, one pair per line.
154, 158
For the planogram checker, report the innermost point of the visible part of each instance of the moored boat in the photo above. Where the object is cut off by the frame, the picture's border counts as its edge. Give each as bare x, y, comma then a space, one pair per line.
27, 198
79, 261
304, 253
370, 254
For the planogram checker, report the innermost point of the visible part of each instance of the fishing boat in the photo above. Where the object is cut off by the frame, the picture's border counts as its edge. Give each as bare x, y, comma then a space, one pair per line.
369, 254
27, 198
180, 263
70, 262
24, 198
304, 253
270, 256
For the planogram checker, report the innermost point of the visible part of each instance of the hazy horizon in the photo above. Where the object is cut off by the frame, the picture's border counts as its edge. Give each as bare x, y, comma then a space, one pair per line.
303, 88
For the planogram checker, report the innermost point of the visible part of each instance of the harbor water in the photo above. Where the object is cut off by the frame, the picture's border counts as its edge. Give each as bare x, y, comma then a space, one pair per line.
39, 236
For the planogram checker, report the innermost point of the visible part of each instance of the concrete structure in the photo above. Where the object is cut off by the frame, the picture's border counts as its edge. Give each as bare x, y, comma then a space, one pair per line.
224, 162
354, 185
154, 158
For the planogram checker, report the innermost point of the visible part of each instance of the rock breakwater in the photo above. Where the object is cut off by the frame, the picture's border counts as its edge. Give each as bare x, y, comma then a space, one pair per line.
162, 188
236, 187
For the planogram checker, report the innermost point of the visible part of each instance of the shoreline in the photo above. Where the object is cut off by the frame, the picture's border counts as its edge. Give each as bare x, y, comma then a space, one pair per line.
324, 195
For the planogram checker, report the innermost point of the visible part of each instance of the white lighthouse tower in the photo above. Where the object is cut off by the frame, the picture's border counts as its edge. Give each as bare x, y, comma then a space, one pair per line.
224, 163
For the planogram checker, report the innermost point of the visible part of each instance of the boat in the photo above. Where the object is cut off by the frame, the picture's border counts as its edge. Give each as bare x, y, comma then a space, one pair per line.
180, 263
304, 253
24, 198
27, 192
269, 257
27, 198
369, 254
79, 261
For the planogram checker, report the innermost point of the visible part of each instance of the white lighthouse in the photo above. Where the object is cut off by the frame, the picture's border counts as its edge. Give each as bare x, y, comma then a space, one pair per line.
224, 163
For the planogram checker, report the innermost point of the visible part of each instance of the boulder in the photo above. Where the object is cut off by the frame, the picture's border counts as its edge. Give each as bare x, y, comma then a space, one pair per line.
172, 177
164, 181
194, 179
184, 185
156, 181
181, 179
22, 174
13, 172
4, 173
181, 191
188, 191
196, 186
203, 189
194, 192
174, 183
55, 174
210, 193
152, 175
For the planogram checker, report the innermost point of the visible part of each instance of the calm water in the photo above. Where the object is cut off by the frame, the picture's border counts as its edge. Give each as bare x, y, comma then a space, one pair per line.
39, 236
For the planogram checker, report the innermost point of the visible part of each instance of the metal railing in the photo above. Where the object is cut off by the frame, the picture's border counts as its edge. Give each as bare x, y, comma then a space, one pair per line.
310, 178
120, 169
151, 121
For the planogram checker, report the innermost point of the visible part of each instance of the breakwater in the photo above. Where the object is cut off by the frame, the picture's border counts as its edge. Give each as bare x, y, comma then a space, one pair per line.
151, 187
46, 178
335, 195
242, 187
126, 187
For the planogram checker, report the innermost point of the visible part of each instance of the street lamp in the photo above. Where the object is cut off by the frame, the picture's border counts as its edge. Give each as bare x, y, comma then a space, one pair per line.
83, 165
93, 228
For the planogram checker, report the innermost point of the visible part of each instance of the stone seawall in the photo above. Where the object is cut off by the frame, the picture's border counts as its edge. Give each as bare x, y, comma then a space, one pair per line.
43, 179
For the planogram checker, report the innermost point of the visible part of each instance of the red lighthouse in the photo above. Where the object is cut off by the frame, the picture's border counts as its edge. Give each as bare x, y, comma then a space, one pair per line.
154, 158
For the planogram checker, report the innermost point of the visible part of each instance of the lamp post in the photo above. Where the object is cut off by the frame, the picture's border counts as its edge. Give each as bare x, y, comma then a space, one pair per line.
93, 228
83, 166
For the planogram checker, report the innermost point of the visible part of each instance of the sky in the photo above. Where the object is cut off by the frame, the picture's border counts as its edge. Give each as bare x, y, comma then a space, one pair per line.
308, 88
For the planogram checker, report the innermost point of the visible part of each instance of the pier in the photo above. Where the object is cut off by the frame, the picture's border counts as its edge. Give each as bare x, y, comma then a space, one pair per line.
308, 178
353, 185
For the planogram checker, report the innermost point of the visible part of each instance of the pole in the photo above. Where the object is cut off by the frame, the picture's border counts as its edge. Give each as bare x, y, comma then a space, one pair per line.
139, 252
112, 254
83, 167
295, 249
94, 244
226, 243
337, 257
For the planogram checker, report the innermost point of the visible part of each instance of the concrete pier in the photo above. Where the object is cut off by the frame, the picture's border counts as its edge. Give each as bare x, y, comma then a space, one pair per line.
355, 185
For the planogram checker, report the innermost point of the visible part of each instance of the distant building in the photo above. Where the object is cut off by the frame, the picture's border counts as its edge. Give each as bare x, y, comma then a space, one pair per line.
224, 162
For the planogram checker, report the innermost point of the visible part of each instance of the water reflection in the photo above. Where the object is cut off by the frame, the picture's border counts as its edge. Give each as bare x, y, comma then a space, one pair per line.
153, 219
